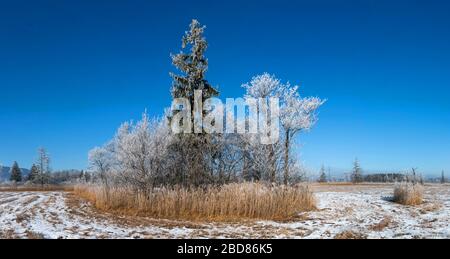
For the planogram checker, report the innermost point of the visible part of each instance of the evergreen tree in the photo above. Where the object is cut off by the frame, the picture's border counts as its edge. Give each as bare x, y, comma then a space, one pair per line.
34, 173
357, 172
194, 150
16, 173
193, 65
323, 175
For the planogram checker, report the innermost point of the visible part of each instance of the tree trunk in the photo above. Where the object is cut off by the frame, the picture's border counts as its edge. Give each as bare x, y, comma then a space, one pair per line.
286, 157
245, 166
272, 163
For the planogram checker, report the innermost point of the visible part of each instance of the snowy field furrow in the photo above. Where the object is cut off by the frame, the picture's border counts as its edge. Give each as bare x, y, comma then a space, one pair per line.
344, 212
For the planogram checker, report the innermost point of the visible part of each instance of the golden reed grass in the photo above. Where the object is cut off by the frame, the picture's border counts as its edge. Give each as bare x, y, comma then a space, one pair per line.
224, 203
408, 194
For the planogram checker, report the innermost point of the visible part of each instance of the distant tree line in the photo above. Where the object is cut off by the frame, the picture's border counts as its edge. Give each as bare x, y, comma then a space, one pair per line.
357, 176
385, 178
40, 173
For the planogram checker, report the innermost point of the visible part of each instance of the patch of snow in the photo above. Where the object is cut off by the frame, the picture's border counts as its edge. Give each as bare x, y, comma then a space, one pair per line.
364, 211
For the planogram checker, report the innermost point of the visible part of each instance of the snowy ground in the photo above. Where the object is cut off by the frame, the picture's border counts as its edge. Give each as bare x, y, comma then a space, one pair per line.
344, 211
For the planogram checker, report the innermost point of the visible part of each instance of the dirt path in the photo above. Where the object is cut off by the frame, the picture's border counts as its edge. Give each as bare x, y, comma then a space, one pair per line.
344, 212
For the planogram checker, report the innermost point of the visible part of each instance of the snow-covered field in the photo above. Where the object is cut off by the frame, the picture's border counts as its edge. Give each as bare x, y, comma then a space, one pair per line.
345, 211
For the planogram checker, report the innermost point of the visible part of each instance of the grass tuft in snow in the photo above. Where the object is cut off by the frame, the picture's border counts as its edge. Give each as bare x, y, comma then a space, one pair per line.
408, 194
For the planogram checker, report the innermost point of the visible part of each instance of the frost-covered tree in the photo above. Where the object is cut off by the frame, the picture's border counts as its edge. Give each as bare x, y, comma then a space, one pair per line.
296, 114
322, 175
262, 162
264, 87
137, 156
16, 173
101, 160
141, 150
298, 172
43, 164
34, 174
192, 154
356, 175
193, 66
152, 153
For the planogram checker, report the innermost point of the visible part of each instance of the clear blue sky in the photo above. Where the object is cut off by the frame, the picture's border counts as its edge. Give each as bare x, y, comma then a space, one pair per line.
72, 71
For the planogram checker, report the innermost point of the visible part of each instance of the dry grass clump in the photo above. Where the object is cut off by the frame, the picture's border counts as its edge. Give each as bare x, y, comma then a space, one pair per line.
10, 234
386, 222
7, 234
34, 235
408, 194
350, 235
224, 203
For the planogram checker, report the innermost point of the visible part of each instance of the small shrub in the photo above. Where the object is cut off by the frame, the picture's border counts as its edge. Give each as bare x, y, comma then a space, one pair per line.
408, 194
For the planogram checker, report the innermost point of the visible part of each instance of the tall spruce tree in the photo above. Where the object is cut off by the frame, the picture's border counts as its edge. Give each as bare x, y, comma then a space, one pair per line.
16, 173
193, 66
192, 152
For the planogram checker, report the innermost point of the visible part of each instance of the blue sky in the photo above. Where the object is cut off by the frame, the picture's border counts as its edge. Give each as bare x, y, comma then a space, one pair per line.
72, 71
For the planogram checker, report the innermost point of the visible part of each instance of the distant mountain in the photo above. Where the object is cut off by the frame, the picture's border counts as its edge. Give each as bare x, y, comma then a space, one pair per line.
5, 173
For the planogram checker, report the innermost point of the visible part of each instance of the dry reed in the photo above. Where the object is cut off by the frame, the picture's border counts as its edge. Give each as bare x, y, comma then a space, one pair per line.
228, 202
408, 194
